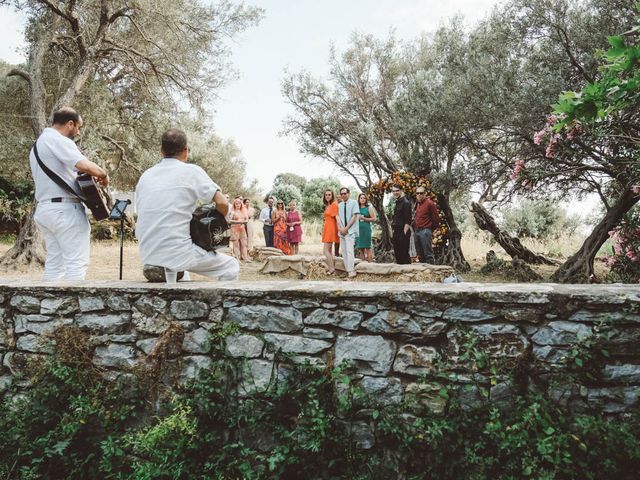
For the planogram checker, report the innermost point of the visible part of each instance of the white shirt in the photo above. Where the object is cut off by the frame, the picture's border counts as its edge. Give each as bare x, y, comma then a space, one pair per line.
264, 215
60, 154
166, 196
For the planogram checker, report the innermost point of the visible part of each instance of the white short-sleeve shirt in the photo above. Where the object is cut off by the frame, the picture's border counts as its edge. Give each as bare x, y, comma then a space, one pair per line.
60, 154
166, 196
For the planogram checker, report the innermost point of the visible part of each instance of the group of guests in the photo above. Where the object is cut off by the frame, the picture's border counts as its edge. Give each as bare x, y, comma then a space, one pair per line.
282, 228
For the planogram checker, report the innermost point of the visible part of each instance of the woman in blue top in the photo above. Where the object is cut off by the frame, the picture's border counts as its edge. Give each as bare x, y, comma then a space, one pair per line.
367, 216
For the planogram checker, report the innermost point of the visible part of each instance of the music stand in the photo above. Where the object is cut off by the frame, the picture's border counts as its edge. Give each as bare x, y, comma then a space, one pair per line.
117, 213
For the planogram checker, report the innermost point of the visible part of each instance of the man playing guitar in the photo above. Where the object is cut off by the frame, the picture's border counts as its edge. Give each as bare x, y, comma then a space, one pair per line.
59, 215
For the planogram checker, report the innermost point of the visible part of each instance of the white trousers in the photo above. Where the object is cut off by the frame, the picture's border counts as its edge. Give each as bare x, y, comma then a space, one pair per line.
347, 244
66, 230
215, 265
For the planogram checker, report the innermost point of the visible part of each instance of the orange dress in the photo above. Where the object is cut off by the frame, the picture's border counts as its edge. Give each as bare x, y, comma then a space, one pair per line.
330, 227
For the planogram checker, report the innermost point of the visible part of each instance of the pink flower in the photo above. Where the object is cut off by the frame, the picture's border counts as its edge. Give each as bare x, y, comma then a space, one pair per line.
636, 189
539, 136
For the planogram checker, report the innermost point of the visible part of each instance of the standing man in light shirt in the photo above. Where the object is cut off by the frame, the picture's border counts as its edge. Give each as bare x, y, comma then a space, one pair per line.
60, 216
348, 229
266, 217
166, 196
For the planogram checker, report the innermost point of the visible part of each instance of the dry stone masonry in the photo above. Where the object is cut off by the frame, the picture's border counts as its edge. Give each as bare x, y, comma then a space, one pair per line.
399, 339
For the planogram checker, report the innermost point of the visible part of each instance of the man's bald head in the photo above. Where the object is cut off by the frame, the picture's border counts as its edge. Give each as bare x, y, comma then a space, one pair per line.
64, 115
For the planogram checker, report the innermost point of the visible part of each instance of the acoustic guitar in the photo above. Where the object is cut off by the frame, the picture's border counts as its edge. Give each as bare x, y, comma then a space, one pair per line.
93, 196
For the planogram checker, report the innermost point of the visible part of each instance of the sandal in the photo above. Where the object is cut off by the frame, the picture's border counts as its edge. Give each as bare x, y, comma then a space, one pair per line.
330, 272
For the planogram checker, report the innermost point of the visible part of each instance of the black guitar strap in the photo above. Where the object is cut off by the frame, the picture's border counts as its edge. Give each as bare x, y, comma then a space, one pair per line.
54, 176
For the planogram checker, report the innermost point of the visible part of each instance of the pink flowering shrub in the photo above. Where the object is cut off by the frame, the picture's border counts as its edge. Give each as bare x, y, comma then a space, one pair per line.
554, 138
625, 260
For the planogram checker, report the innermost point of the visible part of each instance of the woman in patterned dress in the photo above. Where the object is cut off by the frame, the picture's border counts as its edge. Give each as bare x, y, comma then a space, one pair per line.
294, 227
280, 229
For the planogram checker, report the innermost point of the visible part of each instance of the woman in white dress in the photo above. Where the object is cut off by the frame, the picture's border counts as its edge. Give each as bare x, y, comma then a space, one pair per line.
251, 212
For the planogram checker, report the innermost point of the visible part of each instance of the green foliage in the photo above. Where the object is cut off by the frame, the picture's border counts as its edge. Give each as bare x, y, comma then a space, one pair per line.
286, 193
290, 179
540, 219
15, 200
312, 195
304, 425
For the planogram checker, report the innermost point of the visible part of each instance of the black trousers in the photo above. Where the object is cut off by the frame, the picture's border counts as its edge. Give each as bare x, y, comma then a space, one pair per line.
268, 235
400, 242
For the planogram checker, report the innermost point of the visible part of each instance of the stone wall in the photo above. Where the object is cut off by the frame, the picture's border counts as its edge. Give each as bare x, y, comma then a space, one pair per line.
400, 339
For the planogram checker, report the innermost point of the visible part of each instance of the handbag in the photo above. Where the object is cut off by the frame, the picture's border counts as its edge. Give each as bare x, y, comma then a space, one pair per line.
209, 229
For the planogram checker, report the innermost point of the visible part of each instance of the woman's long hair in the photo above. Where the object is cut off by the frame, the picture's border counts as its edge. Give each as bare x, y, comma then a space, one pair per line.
324, 197
366, 203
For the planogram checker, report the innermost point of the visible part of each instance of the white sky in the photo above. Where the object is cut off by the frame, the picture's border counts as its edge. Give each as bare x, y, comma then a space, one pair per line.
294, 35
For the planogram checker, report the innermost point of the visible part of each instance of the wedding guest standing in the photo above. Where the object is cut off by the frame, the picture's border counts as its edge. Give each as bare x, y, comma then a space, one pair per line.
401, 225
329, 229
294, 227
279, 219
251, 213
427, 219
367, 217
266, 217
348, 231
238, 219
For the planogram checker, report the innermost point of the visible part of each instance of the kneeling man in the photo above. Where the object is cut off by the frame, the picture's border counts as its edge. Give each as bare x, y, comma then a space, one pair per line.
166, 196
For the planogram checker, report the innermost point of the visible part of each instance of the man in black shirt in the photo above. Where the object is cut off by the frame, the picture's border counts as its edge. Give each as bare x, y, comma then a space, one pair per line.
401, 224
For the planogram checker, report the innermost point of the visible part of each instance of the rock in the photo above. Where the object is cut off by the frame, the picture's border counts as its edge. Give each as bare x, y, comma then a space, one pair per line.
147, 344
293, 344
391, 321
266, 318
20, 363
216, 315
300, 304
150, 305
25, 303
41, 328
155, 274
427, 395
415, 360
103, 323
256, 377
344, 319
91, 304
461, 314
561, 333
371, 355
318, 333
627, 373
501, 340
197, 341
118, 303
33, 343
362, 434
548, 354
192, 366
149, 315
115, 355
613, 399
362, 307
381, 390
240, 345
472, 397
59, 306
501, 392
595, 317
423, 311
21, 321
189, 309
5, 382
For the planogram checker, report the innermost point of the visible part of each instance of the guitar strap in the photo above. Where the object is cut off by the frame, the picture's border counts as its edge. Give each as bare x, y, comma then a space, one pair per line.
54, 176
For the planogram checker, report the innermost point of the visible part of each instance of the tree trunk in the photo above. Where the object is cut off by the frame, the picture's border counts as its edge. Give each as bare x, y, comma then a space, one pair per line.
29, 248
452, 254
579, 267
385, 241
511, 245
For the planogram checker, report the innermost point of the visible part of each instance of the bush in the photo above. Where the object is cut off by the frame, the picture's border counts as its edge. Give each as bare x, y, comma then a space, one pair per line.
71, 424
539, 219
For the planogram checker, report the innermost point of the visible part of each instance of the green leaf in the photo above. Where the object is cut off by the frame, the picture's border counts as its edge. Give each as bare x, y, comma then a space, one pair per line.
549, 430
616, 41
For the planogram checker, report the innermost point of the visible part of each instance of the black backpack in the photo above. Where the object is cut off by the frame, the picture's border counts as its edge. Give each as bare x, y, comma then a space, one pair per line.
209, 229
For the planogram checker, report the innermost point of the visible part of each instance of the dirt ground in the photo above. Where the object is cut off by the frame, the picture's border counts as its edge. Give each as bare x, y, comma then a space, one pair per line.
105, 255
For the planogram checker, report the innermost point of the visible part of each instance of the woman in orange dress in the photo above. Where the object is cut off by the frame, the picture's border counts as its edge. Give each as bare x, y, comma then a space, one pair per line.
238, 219
279, 218
329, 229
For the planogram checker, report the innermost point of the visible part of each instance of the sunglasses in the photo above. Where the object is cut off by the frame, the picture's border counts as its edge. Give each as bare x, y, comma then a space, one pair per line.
420, 193
344, 193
